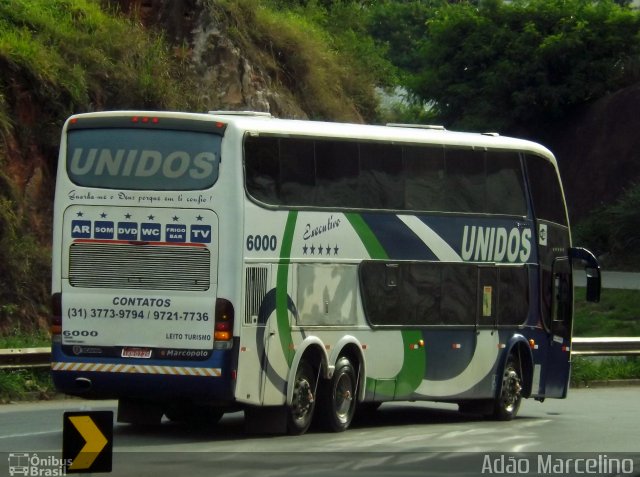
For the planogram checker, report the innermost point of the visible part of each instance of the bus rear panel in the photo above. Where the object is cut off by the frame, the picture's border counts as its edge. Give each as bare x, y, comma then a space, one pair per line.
137, 247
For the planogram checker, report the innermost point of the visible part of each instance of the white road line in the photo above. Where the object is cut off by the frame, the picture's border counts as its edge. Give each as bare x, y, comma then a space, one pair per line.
27, 434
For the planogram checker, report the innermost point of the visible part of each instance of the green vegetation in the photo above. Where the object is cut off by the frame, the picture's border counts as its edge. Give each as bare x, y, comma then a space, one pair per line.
617, 314
613, 232
59, 58
74, 55
26, 383
18, 339
21, 384
585, 370
510, 65
313, 52
24, 279
70, 56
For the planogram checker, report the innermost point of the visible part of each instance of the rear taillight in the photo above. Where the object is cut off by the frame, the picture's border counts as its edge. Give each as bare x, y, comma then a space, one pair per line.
223, 327
56, 314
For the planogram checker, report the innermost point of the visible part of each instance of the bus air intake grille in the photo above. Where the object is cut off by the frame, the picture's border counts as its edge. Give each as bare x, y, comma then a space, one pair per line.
256, 289
139, 267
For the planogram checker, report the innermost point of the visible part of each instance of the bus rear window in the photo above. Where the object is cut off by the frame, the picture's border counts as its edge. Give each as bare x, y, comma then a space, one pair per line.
121, 158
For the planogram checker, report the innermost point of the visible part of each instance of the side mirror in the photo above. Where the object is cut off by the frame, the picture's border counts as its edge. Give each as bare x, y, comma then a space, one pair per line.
592, 269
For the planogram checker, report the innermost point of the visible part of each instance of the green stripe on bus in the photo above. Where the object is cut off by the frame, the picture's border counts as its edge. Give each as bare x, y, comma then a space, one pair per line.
414, 363
282, 285
368, 238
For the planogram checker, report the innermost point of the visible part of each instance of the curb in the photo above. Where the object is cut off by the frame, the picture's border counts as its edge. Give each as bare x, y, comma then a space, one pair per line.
611, 383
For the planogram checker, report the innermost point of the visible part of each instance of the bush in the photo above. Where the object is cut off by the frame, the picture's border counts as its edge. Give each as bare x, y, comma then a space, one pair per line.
613, 232
585, 370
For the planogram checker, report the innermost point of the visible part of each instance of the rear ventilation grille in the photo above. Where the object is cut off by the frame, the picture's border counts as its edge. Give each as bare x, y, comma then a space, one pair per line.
256, 289
139, 267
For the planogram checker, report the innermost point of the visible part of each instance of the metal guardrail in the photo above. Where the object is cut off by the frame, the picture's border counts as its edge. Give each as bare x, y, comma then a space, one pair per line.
605, 346
20, 358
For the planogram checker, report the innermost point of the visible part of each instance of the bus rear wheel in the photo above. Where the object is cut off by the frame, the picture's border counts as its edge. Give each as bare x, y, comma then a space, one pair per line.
506, 405
303, 403
338, 399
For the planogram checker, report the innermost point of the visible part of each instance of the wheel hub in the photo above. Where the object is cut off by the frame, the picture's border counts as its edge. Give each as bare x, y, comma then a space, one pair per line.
344, 396
302, 399
511, 389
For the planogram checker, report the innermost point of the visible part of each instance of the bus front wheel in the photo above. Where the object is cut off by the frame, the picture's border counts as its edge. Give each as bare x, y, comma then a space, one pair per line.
338, 399
506, 405
303, 403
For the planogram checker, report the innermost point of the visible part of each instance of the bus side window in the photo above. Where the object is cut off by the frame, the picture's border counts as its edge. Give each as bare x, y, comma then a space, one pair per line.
465, 180
337, 172
505, 184
262, 163
297, 171
424, 178
381, 176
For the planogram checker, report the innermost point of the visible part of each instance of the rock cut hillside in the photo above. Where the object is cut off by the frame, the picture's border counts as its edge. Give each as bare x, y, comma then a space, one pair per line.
61, 58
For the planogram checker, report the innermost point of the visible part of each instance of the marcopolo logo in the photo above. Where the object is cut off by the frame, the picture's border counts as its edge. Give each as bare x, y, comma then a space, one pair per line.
141, 163
496, 244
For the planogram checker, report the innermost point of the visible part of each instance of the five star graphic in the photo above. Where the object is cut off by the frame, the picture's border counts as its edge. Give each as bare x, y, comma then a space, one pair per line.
320, 250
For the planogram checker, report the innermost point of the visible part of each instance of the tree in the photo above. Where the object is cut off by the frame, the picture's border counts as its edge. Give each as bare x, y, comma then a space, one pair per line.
498, 65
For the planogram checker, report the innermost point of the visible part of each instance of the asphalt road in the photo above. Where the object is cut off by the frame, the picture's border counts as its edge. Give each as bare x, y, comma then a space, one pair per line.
400, 439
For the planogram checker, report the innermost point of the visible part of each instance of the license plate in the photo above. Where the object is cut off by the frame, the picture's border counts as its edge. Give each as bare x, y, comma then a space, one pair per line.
143, 353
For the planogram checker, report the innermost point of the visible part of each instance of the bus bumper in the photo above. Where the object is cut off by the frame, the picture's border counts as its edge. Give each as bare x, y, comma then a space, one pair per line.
153, 380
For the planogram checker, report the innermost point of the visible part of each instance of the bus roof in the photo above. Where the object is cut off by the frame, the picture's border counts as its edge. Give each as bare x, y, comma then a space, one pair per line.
264, 123
260, 122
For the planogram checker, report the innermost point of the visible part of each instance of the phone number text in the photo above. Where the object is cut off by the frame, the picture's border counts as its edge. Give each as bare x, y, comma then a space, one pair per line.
129, 314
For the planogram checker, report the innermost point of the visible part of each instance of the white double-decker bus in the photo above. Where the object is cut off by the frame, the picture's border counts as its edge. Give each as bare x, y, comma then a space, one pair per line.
204, 263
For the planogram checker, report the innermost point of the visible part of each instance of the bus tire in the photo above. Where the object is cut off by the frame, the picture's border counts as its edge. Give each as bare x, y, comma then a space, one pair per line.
338, 397
303, 403
507, 403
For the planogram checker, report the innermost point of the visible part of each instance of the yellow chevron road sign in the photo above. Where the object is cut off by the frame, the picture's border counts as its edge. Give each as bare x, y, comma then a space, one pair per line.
87, 441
